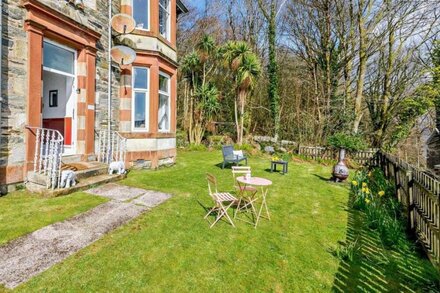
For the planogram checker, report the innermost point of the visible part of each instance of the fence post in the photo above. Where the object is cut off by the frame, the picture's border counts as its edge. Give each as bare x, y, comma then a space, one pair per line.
410, 201
396, 171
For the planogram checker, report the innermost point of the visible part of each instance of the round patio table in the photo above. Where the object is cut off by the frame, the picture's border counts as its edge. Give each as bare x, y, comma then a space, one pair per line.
263, 183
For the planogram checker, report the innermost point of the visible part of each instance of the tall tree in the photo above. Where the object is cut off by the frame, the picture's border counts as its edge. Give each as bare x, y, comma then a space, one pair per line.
197, 69
246, 69
272, 66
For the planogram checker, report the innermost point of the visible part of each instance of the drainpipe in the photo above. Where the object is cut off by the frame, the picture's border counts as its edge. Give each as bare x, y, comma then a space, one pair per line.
109, 101
1, 60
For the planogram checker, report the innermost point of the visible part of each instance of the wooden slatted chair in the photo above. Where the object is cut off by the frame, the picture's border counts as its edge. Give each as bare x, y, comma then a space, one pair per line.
222, 201
243, 191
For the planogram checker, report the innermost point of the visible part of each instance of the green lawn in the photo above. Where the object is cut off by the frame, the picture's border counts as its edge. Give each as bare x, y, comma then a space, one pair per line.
22, 212
172, 248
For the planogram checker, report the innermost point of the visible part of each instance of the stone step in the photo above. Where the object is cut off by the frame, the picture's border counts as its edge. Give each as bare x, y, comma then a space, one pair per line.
71, 159
36, 178
83, 184
92, 169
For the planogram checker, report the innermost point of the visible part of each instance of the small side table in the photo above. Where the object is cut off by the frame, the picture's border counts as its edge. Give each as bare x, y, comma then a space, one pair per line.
273, 166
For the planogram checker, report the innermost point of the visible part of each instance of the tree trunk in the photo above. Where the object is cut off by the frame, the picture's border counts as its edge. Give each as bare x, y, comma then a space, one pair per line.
362, 68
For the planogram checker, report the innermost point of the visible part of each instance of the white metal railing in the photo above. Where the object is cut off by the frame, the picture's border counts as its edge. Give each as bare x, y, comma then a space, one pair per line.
112, 147
49, 144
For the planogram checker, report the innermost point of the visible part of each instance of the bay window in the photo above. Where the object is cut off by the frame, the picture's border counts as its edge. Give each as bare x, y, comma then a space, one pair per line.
141, 101
164, 103
141, 13
164, 18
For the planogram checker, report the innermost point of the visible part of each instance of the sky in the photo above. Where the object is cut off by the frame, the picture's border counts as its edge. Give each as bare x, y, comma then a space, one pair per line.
195, 3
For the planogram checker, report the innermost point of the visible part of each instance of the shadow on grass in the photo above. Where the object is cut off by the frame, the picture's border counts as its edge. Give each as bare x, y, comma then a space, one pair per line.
228, 165
323, 178
374, 268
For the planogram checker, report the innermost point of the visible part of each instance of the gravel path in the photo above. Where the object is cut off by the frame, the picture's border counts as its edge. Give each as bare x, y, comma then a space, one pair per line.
27, 256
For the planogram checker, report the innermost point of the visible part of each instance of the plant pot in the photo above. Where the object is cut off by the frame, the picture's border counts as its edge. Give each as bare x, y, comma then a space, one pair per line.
340, 170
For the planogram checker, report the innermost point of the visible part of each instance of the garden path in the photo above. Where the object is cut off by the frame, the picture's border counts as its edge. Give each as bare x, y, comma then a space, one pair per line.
27, 256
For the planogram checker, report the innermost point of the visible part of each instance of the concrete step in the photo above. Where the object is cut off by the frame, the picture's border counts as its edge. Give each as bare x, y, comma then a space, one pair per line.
83, 184
71, 159
87, 174
89, 169
37, 178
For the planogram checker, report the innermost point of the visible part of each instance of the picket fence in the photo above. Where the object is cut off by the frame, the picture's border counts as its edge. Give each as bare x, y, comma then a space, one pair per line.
416, 189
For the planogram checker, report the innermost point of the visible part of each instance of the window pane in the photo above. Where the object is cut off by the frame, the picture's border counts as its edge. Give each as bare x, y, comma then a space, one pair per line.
163, 83
139, 110
141, 78
164, 115
163, 22
57, 58
140, 13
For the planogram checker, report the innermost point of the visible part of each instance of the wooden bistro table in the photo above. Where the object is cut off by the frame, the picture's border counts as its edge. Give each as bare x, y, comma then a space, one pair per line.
263, 184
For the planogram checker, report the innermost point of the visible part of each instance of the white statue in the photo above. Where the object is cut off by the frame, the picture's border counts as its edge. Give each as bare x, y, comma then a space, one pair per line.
118, 166
68, 178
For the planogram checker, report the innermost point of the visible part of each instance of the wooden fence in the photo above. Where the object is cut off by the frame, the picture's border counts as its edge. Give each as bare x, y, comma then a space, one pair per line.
419, 193
361, 157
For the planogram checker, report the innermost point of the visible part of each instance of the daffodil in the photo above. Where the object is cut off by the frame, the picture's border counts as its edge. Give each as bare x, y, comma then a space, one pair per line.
367, 191
381, 193
364, 184
363, 189
367, 201
354, 182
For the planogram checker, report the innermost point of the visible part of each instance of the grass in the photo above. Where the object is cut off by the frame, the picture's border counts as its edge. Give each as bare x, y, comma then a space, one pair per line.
22, 212
171, 248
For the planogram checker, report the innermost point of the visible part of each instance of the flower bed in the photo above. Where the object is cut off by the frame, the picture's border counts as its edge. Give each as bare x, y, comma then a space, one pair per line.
374, 195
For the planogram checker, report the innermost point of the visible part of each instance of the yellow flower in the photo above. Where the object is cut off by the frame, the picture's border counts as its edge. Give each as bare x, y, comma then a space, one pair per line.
355, 183
363, 189
381, 193
369, 174
367, 201
367, 191
364, 184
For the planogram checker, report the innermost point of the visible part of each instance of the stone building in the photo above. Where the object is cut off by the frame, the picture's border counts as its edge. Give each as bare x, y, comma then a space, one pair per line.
54, 75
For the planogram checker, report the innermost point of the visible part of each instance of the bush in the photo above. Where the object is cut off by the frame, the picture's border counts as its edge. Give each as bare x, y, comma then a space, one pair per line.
346, 141
215, 140
181, 139
196, 147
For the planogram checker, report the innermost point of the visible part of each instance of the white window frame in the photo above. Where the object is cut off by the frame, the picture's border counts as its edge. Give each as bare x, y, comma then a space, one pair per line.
168, 24
149, 18
147, 101
72, 148
168, 94
45, 40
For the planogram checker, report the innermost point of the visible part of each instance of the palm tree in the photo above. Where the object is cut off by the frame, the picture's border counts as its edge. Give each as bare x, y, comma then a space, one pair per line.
203, 96
246, 68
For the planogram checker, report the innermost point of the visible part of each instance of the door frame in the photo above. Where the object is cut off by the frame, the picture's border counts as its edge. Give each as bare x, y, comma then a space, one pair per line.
71, 149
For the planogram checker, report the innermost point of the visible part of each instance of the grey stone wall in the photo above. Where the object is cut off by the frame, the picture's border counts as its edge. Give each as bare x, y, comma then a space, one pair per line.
14, 68
14, 84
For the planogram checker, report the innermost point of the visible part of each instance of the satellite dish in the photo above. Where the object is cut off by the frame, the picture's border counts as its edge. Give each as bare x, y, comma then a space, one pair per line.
123, 23
123, 55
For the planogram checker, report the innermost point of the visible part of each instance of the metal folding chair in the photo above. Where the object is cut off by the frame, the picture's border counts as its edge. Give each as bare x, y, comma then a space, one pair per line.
246, 193
222, 201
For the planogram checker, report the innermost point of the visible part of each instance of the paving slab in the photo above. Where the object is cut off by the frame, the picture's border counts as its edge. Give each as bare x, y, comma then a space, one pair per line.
27, 256
117, 192
151, 199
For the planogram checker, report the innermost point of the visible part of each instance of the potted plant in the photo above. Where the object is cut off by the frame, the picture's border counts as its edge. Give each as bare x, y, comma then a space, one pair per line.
344, 142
